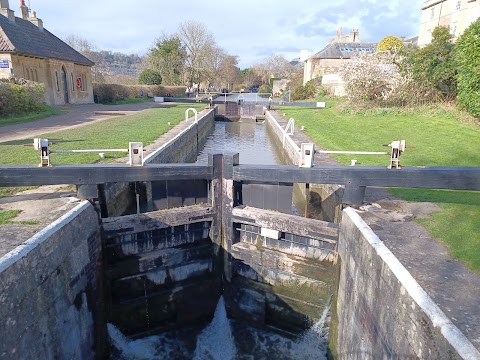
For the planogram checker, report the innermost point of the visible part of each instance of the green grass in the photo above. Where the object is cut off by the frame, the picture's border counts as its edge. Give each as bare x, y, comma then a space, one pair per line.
457, 225
145, 126
130, 101
7, 216
439, 138
9, 191
41, 114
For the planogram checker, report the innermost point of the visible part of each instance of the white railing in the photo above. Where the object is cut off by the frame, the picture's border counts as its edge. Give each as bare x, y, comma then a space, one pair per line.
289, 130
194, 112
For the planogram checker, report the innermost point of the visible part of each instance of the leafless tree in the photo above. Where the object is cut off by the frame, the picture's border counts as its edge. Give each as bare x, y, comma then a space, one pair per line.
276, 66
200, 45
87, 49
229, 72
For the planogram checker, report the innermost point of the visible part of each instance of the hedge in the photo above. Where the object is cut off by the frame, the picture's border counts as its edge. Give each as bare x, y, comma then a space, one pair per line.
20, 96
106, 93
468, 68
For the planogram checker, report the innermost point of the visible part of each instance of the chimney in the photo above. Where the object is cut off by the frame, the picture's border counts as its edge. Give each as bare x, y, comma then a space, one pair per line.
5, 10
23, 10
38, 22
354, 36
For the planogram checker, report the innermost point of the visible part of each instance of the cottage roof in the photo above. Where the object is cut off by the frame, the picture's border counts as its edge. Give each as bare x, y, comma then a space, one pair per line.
344, 50
24, 38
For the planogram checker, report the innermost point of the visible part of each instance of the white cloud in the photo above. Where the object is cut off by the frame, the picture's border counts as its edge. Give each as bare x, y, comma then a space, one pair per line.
247, 28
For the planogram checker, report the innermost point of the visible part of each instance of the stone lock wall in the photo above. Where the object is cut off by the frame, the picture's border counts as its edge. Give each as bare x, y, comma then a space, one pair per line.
382, 312
50, 297
184, 147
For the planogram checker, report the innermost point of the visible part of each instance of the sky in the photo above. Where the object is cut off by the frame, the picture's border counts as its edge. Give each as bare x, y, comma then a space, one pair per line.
253, 30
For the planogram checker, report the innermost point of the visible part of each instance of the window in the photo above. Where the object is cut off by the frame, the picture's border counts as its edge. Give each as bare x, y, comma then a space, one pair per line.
27, 75
459, 5
56, 81
84, 82
73, 82
432, 13
453, 28
36, 75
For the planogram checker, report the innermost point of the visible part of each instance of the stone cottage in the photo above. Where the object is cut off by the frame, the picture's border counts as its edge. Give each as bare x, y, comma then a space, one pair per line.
28, 50
328, 61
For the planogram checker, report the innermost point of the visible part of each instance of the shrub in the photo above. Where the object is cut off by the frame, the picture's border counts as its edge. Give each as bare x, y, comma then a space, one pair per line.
108, 93
468, 68
20, 96
433, 67
310, 90
265, 89
150, 77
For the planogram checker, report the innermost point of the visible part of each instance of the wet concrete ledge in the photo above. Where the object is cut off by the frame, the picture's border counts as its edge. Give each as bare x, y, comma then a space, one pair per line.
51, 296
382, 311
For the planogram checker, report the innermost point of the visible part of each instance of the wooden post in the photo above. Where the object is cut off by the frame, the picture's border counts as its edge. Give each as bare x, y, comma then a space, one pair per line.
307, 198
222, 202
215, 192
229, 161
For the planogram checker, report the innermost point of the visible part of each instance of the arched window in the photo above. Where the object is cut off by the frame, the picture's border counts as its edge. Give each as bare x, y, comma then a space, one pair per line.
27, 74
73, 83
56, 81
84, 82
36, 75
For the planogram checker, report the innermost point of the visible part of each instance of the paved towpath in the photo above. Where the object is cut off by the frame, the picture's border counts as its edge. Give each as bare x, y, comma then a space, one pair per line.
73, 116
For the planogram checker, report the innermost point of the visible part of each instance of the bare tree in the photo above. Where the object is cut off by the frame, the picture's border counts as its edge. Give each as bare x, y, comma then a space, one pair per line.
276, 66
87, 49
230, 72
200, 45
279, 66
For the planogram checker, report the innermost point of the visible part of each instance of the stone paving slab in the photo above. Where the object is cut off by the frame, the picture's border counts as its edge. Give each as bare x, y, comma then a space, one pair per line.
453, 287
39, 207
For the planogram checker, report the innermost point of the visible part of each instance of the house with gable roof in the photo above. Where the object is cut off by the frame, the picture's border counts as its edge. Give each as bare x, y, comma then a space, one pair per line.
327, 62
28, 50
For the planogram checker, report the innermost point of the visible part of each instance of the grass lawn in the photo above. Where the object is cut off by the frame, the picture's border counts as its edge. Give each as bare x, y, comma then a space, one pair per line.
43, 113
9, 191
440, 139
461, 208
146, 126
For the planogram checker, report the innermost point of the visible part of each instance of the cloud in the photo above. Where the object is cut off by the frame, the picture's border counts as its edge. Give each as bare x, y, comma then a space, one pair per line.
251, 29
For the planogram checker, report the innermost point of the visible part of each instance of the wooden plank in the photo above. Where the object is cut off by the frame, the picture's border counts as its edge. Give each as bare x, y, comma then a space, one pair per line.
455, 178
292, 224
160, 219
99, 174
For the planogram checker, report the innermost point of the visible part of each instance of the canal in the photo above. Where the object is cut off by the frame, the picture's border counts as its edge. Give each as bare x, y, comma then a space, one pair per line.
224, 338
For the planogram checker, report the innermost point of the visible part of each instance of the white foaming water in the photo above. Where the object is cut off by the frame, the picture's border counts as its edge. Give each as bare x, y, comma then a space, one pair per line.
137, 349
313, 344
216, 341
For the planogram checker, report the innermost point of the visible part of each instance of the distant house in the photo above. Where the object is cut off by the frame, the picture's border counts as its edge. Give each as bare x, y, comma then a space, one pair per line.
28, 50
328, 61
457, 15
